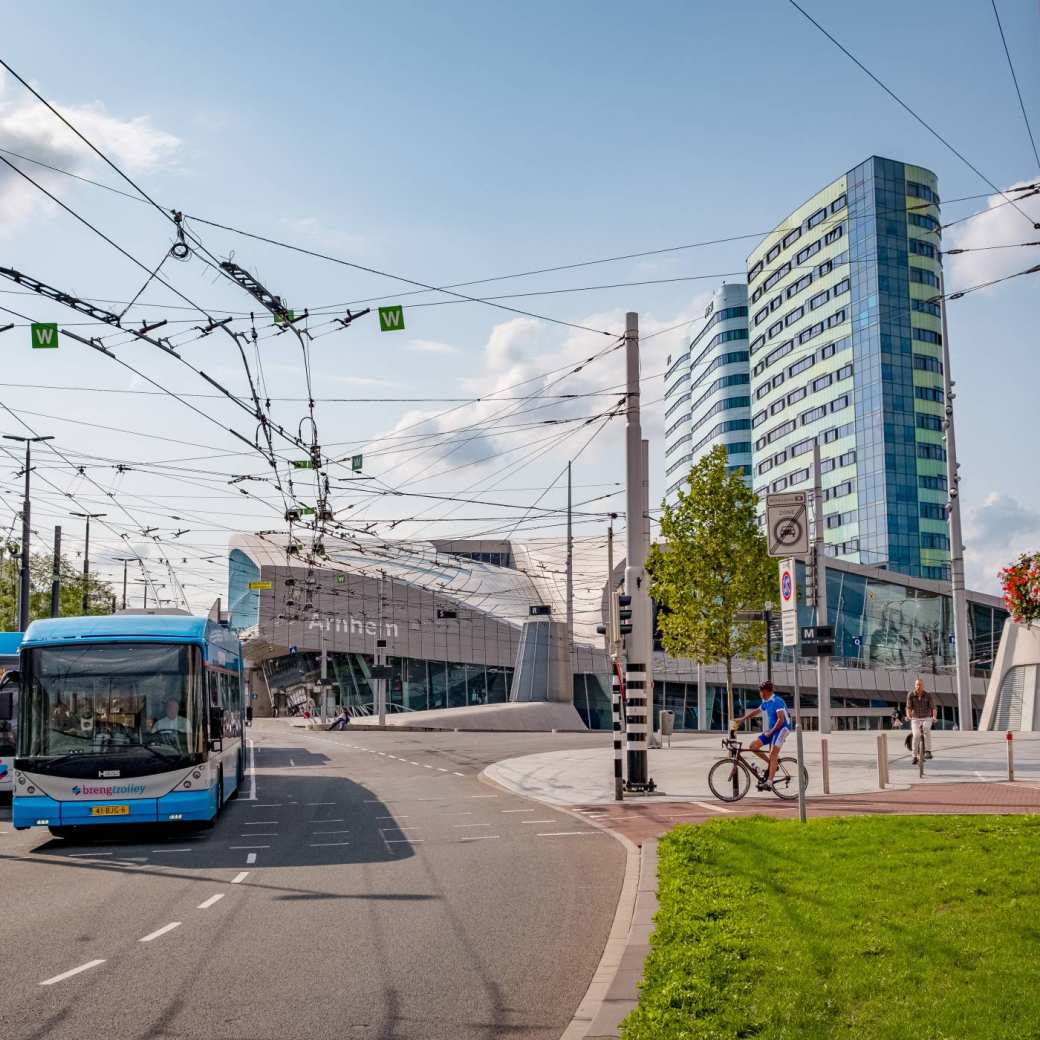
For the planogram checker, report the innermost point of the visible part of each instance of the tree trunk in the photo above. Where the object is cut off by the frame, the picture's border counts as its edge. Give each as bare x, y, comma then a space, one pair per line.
729, 692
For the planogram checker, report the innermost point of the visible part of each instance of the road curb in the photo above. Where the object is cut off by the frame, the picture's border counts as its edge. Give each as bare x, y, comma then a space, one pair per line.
613, 991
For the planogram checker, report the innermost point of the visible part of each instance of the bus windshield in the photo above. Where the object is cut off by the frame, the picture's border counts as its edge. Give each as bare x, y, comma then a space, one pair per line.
103, 699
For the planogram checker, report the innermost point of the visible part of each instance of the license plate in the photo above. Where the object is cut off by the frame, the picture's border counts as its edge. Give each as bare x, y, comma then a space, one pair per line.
110, 810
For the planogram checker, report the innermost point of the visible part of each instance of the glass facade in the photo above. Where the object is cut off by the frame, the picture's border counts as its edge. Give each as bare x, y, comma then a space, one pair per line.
415, 685
845, 349
707, 390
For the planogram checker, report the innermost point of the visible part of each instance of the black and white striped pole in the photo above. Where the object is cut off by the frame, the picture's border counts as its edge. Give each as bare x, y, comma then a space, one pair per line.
639, 641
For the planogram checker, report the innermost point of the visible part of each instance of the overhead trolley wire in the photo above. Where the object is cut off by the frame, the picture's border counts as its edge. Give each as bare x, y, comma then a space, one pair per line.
1018, 90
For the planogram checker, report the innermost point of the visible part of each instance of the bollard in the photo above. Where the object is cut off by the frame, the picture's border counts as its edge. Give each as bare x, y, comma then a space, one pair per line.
1011, 754
880, 765
825, 766
883, 741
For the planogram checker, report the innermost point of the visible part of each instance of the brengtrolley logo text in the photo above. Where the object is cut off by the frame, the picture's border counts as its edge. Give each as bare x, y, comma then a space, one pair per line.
107, 791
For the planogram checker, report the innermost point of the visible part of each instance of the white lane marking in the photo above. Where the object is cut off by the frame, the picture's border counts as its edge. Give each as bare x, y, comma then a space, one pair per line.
72, 971
319, 803
403, 841
251, 797
291, 762
411, 763
171, 850
537, 821
463, 812
425, 766
242, 847
334, 819
206, 904
713, 808
481, 795
260, 834
160, 931
442, 769
344, 831
479, 837
473, 824
260, 823
327, 844
266, 805
517, 810
91, 855
240, 877
563, 834
457, 774
251, 858
384, 818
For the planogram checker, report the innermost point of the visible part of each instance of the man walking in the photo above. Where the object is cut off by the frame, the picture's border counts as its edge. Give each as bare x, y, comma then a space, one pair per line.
921, 710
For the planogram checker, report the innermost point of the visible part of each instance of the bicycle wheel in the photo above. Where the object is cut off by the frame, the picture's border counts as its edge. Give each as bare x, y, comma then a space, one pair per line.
785, 783
729, 780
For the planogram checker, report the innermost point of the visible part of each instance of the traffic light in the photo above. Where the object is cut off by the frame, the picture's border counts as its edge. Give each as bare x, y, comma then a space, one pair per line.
624, 614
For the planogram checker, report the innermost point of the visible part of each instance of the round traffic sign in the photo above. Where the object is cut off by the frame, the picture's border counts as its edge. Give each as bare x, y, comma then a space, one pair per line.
786, 587
787, 532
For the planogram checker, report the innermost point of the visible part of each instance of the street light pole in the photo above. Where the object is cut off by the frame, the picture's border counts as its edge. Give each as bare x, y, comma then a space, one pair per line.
124, 560
86, 557
56, 575
23, 587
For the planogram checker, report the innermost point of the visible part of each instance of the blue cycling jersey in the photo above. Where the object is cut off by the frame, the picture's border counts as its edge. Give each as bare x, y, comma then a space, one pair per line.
771, 708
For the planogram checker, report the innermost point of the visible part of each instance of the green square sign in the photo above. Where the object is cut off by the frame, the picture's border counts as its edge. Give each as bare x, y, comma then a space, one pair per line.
356, 462
44, 335
391, 319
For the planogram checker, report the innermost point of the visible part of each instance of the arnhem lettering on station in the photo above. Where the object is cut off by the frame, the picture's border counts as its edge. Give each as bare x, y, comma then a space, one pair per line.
458, 630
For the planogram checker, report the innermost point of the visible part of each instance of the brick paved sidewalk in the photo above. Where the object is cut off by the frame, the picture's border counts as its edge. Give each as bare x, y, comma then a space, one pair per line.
640, 818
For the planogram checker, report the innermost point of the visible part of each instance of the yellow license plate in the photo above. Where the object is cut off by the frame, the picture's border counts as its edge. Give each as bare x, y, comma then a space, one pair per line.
110, 810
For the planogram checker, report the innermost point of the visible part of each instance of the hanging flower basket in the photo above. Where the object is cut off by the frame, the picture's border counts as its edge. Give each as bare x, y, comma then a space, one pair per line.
1021, 582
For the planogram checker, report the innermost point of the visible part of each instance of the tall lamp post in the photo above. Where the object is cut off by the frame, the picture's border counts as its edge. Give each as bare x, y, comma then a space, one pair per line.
86, 557
23, 587
124, 560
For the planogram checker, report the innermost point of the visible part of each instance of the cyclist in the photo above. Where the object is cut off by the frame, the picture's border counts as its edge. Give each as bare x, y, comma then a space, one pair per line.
775, 728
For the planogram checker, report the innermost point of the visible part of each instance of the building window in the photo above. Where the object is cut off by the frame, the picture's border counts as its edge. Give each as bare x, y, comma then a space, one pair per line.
828, 351
796, 395
822, 381
923, 277
780, 458
935, 541
765, 467
775, 329
836, 318
926, 307
810, 250
835, 520
776, 380
799, 476
933, 511
927, 336
762, 391
819, 299
791, 237
923, 220
929, 422
800, 366
924, 363
783, 349
816, 218
834, 234
839, 203
931, 451
844, 372
825, 268
801, 447
772, 254
794, 315
813, 414
840, 402
847, 459
758, 418
931, 483
779, 485
841, 287
922, 248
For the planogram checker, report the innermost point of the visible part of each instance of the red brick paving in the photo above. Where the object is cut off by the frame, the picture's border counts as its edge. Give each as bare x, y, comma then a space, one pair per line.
640, 817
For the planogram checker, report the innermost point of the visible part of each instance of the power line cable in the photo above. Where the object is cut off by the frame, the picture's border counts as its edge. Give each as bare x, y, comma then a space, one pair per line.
1018, 90
895, 97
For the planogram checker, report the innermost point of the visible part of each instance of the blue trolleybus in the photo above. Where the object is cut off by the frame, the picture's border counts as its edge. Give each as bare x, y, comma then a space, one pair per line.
9, 643
127, 719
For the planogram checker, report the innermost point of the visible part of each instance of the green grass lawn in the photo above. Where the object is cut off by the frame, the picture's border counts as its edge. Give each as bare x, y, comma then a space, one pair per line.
870, 927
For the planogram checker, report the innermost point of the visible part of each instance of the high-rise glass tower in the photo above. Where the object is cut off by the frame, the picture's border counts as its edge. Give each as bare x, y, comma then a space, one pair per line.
706, 391
846, 348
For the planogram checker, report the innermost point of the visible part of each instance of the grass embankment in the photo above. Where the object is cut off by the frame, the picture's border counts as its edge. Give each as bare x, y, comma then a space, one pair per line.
867, 928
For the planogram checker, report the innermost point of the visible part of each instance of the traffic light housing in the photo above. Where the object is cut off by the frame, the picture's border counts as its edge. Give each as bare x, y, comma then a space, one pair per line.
624, 614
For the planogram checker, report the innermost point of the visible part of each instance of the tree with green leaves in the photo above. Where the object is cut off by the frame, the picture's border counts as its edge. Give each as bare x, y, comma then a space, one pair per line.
41, 569
710, 563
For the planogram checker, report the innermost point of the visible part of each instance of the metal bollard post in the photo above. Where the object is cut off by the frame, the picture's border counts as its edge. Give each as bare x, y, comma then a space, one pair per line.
882, 779
1011, 754
825, 766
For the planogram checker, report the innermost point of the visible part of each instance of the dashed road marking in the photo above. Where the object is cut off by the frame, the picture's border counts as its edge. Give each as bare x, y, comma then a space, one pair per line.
403, 841
251, 858
471, 825
478, 837
160, 931
712, 808
537, 821
72, 971
331, 832
457, 774
259, 823
260, 834
563, 834
517, 810
266, 805
319, 803
327, 844
90, 855
240, 877
171, 850
243, 847
206, 904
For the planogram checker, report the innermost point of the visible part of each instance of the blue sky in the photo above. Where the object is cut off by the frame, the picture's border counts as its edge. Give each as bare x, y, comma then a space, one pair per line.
459, 141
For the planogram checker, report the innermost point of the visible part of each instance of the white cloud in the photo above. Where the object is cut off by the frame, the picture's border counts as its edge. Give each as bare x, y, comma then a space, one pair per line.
996, 533
999, 224
29, 129
319, 232
432, 346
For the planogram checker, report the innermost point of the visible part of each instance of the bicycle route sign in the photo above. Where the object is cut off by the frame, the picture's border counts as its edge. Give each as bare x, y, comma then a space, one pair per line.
787, 524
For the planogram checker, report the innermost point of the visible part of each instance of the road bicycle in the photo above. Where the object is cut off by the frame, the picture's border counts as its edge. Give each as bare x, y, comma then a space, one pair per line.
730, 777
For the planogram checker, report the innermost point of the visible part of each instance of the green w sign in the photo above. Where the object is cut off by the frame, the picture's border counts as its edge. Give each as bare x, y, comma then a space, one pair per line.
44, 335
391, 319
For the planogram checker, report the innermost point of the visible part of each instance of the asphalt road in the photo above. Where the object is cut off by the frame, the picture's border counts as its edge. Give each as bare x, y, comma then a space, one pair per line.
364, 885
